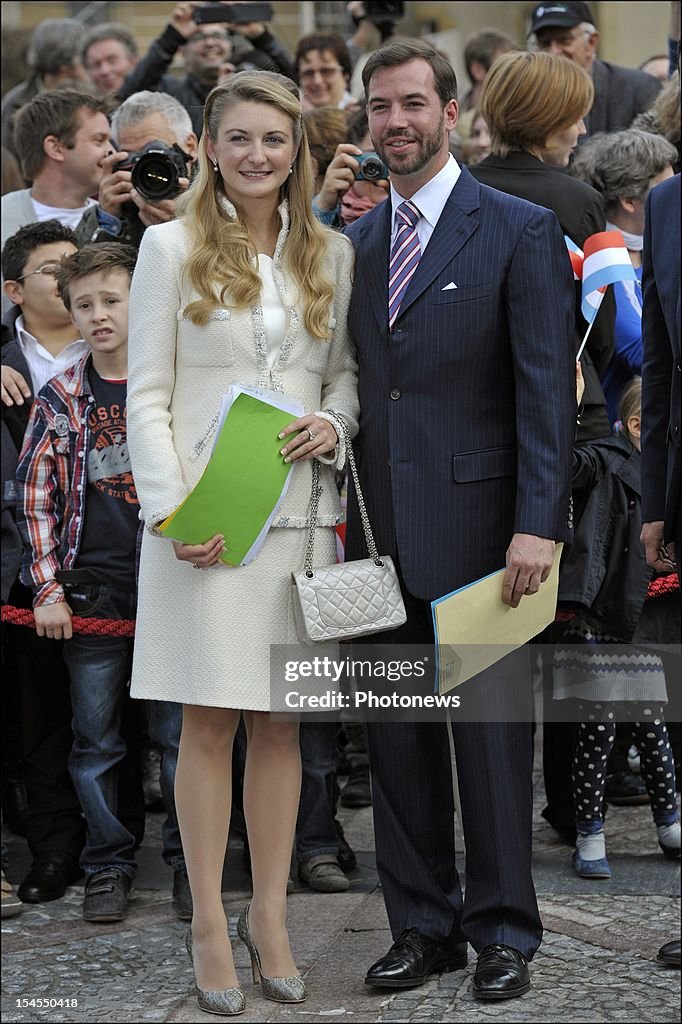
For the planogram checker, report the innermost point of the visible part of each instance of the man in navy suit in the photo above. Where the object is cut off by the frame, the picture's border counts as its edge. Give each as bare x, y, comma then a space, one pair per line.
467, 421
661, 377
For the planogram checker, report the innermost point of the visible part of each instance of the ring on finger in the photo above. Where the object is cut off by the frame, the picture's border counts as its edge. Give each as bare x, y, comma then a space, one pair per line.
311, 436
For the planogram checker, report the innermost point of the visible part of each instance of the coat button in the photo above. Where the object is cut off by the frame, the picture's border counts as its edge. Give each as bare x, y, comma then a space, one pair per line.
395, 394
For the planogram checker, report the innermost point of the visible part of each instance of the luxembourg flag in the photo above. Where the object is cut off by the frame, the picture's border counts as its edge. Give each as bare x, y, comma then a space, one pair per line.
590, 302
606, 261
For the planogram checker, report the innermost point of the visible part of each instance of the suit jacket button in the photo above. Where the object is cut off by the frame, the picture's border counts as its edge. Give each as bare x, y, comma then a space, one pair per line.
395, 394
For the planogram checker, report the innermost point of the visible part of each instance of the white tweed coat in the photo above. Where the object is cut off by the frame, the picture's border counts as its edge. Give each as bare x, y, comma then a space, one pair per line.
203, 637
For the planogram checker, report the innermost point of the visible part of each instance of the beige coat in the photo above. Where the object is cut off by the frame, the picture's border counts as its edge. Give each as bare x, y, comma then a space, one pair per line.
203, 637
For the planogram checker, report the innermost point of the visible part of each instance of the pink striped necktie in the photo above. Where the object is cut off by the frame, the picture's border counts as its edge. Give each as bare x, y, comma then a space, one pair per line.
405, 256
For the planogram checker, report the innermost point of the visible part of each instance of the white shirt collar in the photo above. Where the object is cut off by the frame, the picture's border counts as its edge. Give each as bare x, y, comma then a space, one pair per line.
29, 343
431, 198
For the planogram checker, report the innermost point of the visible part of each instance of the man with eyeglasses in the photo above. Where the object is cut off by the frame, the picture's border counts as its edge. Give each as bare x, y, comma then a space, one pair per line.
567, 29
207, 51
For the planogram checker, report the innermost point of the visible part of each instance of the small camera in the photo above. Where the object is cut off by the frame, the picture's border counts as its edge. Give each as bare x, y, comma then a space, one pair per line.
372, 168
156, 170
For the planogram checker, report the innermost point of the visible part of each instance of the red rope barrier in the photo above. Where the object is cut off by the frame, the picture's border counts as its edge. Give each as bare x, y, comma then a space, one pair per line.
94, 627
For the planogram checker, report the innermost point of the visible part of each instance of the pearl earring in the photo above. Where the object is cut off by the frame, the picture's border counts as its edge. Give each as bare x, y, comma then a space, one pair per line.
215, 165
291, 169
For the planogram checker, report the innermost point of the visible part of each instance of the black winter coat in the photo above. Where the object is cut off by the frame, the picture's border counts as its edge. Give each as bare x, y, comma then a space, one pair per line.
604, 572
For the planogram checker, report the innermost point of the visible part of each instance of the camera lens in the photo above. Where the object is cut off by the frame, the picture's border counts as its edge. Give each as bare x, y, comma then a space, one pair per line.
372, 168
155, 177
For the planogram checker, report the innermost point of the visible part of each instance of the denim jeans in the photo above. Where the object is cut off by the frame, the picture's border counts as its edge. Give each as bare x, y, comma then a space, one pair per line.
99, 669
315, 830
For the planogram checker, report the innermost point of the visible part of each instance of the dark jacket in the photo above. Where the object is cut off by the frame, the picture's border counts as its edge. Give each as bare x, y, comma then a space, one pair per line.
604, 572
268, 54
15, 417
580, 211
12, 546
619, 95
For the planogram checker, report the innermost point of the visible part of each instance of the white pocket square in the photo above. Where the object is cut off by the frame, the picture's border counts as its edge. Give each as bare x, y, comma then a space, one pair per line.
449, 287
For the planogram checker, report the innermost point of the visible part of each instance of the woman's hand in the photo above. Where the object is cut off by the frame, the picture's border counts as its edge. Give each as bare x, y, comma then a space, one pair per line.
201, 556
316, 437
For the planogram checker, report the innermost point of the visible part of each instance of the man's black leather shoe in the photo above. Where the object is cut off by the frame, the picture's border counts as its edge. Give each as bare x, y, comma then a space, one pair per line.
414, 957
501, 973
182, 895
669, 955
48, 878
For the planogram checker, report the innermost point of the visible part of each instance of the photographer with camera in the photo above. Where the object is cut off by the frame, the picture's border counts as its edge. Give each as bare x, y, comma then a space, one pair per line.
356, 179
203, 33
153, 164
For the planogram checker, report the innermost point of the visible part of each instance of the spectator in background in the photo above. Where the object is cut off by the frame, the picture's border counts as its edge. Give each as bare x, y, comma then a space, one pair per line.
206, 49
53, 58
342, 198
322, 67
567, 29
326, 128
663, 118
12, 178
658, 66
534, 105
109, 55
38, 340
123, 213
62, 138
623, 167
479, 53
479, 140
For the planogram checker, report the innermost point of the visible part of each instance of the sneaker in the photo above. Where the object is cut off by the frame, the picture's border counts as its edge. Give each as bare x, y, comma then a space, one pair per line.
106, 895
151, 779
11, 904
346, 857
182, 895
323, 874
357, 792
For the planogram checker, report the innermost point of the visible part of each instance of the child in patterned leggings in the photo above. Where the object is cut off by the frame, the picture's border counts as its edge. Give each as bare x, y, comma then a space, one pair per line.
599, 664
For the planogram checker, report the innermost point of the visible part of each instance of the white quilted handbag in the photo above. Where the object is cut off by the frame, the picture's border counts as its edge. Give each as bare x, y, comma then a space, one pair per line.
349, 599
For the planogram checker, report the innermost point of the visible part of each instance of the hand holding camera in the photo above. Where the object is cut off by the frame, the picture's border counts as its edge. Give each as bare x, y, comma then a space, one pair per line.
349, 165
151, 179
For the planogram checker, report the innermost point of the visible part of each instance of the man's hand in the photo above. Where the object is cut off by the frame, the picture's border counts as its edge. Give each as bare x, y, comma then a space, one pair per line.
115, 186
339, 177
156, 213
182, 19
54, 621
14, 387
529, 560
659, 555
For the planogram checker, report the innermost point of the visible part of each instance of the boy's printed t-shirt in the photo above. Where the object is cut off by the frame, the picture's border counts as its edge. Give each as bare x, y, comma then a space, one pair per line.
110, 522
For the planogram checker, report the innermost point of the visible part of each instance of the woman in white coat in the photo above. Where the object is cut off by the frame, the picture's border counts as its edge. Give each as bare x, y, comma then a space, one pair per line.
244, 287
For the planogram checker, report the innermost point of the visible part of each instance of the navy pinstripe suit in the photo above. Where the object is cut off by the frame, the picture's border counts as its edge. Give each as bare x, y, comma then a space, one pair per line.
466, 433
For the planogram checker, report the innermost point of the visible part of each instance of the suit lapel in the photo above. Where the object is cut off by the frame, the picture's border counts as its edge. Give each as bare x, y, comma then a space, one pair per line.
453, 230
374, 267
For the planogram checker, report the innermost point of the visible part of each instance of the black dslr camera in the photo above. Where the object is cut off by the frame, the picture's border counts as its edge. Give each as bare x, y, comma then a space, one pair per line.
156, 170
372, 168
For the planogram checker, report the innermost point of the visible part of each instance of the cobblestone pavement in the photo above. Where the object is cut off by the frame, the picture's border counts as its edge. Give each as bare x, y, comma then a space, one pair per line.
596, 963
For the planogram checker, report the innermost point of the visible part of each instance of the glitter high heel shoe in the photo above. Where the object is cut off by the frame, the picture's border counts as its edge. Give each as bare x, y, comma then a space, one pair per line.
228, 1001
280, 990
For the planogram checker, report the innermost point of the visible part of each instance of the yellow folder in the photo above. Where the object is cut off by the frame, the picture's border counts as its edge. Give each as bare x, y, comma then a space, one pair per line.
474, 629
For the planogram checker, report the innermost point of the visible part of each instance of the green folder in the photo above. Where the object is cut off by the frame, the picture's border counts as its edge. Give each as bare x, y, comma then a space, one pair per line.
243, 483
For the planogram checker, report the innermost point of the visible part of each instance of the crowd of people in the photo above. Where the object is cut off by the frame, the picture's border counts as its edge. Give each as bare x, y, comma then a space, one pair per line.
337, 226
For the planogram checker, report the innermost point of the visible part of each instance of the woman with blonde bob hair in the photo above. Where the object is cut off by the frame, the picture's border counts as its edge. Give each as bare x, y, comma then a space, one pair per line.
534, 105
244, 287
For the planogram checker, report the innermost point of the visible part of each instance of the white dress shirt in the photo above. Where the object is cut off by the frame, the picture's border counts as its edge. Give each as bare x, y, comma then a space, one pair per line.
42, 364
430, 200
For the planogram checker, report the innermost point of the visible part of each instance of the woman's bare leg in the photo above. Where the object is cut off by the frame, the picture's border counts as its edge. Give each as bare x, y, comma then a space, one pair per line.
272, 788
203, 797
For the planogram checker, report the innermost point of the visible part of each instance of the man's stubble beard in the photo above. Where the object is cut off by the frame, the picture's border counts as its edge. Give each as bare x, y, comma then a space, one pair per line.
429, 146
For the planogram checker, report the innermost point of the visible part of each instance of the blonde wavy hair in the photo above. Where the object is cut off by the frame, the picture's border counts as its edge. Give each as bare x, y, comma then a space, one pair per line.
220, 262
